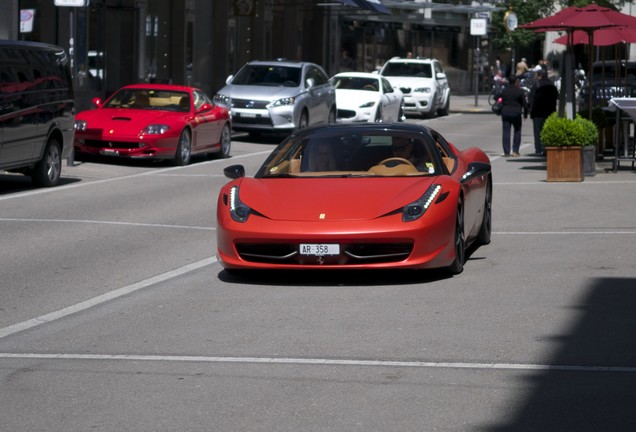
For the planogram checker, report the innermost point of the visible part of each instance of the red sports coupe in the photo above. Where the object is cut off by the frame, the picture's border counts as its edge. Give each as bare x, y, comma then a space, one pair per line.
357, 197
154, 121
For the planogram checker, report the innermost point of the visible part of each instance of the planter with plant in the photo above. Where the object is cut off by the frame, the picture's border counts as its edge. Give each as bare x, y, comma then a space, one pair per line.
564, 140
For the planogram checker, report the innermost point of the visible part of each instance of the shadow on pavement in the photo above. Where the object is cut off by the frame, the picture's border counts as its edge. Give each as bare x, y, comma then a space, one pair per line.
595, 392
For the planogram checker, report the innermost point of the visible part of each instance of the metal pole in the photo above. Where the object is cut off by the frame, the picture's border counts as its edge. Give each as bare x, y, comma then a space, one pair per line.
70, 159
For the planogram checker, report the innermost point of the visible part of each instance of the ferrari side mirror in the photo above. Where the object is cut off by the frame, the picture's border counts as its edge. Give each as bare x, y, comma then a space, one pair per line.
234, 171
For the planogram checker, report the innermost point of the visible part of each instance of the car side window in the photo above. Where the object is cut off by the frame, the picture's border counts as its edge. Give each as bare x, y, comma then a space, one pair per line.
319, 77
448, 157
386, 86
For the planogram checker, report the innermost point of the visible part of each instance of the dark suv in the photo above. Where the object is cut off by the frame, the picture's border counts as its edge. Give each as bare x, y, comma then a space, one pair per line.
37, 110
608, 82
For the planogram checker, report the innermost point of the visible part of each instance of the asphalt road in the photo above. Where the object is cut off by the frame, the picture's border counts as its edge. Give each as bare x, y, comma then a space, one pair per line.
115, 315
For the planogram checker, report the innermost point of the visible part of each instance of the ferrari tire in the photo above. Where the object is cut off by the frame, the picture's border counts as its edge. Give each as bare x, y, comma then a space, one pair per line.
378, 115
459, 241
184, 149
486, 224
47, 171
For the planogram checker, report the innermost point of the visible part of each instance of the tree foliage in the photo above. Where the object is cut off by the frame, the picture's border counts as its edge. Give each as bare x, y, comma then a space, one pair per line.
530, 10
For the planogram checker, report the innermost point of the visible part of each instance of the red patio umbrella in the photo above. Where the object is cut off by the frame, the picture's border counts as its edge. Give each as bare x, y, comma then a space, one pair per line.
602, 37
589, 19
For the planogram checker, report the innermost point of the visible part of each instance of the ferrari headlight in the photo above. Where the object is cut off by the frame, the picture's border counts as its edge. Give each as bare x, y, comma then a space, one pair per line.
416, 209
367, 105
80, 125
422, 90
238, 211
285, 101
222, 99
156, 129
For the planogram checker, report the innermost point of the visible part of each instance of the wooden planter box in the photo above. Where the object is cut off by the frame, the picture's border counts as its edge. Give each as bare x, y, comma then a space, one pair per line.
565, 164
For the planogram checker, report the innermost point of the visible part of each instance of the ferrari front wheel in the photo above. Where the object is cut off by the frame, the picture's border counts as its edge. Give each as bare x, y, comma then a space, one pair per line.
486, 224
184, 149
459, 241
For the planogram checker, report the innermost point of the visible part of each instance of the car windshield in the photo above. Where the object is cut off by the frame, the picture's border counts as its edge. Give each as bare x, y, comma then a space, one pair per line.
268, 75
422, 70
355, 83
337, 154
150, 99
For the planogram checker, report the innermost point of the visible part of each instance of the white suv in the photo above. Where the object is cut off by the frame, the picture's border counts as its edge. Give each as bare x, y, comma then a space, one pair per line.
423, 83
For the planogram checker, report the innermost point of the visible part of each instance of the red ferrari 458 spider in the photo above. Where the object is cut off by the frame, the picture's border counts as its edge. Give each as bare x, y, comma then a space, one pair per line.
154, 121
357, 197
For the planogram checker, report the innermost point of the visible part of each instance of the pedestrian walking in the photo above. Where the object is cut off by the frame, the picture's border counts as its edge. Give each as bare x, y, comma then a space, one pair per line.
521, 68
543, 102
514, 106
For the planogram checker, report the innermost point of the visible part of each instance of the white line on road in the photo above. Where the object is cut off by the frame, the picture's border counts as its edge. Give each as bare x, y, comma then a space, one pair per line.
320, 361
82, 221
95, 301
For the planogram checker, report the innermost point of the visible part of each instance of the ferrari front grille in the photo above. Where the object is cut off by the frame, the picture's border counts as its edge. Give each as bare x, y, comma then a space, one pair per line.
350, 254
342, 113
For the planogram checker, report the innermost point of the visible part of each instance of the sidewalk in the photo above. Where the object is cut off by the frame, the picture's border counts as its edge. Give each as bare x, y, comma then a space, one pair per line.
466, 104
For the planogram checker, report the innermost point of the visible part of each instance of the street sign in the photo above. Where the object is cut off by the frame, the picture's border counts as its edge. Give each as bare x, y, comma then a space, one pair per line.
71, 3
478, 26
26, 20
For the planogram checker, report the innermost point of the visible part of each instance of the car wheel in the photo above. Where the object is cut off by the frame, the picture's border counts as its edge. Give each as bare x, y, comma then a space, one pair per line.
460, 242
304, 120
47, 171
226, 142
184, 149
444, 111
486, 224
332, 116
378, 115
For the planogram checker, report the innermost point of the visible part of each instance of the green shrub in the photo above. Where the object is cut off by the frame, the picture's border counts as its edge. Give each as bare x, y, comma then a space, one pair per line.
591, 131
563, 132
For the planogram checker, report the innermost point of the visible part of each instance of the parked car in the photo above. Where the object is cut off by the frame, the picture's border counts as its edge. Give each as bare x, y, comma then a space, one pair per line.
37, 110
278, 96
423, 83
357, 196
609, 79
366, 97
154, 121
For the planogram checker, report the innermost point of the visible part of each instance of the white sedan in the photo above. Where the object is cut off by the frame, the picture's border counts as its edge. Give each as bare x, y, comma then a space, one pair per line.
366, 97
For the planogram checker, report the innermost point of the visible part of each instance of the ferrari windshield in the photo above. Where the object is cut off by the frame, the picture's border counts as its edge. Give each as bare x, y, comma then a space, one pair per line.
331, 154
268, 75
150, 99
355, 83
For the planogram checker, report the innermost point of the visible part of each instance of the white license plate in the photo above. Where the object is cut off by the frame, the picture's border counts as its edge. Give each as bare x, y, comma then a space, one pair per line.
247, 114
319, 249
109, 152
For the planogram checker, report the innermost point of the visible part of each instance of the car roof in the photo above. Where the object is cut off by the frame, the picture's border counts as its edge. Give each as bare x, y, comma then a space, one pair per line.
353, 128
171, 87
279, 62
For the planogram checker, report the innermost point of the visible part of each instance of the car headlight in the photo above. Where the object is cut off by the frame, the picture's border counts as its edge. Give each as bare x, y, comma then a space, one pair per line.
156, 129
367, 105
238, 211
285, 101
222, 99
416, 209
80, 125
422, 90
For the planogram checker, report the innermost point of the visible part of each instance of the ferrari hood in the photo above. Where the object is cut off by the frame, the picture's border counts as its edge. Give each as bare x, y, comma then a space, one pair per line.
330, 199
352, 99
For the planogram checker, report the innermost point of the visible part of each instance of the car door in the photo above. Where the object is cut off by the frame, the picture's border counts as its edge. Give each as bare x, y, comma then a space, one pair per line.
322, 95
391, 106
442, 84
206, 125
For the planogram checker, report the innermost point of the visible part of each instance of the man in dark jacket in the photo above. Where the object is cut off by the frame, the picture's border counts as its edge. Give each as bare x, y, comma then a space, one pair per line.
543, 102
514, 105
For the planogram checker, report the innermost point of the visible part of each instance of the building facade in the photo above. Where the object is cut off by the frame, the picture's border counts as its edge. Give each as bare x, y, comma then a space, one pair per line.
202, 42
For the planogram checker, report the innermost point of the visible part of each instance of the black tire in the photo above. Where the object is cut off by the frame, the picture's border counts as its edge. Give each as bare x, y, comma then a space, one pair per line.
332, 116
446, 110
47, 171
460, 242
485, 230
304, 120
184, 149
226, 142
378, 115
